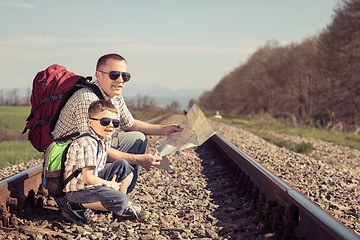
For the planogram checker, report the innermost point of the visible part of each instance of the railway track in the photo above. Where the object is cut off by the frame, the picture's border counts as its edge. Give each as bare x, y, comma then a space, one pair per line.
251, 201
294, 215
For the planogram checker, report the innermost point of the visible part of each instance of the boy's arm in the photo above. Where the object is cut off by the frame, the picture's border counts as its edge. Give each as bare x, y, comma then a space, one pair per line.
147, 161
90, 179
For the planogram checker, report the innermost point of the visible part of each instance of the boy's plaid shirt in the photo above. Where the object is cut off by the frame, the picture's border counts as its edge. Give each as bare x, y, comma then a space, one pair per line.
83, 152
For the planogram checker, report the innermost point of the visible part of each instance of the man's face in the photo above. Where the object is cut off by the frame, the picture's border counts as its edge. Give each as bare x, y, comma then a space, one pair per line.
111, 87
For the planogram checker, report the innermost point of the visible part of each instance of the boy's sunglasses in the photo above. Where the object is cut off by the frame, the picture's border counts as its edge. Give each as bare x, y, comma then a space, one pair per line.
106, 121
113, 75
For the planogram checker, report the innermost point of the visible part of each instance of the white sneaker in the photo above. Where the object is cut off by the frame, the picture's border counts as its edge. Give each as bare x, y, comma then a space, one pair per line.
131, 214
136, 207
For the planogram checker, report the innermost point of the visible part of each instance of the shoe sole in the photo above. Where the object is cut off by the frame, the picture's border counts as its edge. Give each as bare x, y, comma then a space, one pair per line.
141, 219
71, 219
93, 219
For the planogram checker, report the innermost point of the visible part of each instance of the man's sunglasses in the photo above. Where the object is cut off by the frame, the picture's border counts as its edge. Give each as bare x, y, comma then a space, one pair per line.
113, 75
106, 121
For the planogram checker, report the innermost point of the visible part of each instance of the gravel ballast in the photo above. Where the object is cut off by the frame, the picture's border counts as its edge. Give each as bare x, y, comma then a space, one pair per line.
182, 207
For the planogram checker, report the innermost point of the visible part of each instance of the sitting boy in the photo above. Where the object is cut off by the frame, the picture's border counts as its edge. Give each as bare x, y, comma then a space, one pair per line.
99, 186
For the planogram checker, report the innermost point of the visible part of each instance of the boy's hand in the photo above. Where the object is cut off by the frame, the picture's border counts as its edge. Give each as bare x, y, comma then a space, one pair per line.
149, 161
115, 185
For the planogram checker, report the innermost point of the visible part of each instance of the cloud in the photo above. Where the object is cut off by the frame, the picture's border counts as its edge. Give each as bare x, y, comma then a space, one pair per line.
189, 50
18, 5
41, 40
132, 45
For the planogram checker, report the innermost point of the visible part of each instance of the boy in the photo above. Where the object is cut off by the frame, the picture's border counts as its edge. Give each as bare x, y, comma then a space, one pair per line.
99, 186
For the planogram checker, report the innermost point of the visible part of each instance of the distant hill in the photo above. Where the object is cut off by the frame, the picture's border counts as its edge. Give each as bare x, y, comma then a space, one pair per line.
162, 92
162, 96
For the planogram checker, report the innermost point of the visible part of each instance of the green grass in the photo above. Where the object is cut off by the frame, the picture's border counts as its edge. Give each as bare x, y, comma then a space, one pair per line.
262, 127
146, 114
15, 152
303, 147
15, 148
12, 119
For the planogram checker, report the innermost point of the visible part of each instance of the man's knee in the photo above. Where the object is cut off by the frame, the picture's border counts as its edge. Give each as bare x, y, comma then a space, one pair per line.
120, 168
131, 142
121, 163
139, 135
139, 143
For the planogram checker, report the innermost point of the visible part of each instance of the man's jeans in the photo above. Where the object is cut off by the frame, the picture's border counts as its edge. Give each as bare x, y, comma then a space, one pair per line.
113, 200
131, 142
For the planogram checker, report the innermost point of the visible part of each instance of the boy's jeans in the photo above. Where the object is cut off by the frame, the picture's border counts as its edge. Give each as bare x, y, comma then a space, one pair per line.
131, 142
113, 200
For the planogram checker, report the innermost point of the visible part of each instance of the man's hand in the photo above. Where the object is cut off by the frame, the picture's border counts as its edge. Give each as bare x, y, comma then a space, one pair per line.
171, 128
149, 161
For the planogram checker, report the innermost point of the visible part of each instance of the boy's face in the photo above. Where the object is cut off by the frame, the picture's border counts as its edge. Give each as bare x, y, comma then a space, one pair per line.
103, 131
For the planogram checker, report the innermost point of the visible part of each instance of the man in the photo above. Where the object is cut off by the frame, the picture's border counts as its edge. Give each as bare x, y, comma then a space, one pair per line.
129, 144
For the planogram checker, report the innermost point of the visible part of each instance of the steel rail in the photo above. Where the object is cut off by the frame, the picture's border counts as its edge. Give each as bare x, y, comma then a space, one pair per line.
17, 186
309, 220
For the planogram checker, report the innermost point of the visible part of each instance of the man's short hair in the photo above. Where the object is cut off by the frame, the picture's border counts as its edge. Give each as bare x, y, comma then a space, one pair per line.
99, 106
102, 60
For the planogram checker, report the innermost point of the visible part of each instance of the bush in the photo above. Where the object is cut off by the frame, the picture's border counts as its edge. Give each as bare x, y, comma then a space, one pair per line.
304, 148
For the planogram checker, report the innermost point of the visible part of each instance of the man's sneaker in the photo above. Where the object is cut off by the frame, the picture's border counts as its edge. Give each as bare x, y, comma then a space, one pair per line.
76, 213
131, 214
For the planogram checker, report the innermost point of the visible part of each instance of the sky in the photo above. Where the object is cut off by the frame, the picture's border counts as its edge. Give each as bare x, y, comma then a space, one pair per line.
185, 44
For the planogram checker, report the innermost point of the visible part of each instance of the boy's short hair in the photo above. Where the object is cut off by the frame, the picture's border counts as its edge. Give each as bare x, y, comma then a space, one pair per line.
99, 106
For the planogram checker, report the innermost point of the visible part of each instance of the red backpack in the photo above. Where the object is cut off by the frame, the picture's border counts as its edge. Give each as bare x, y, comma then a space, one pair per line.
52, 88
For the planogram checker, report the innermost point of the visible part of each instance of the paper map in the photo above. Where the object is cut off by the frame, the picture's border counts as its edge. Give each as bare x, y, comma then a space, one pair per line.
196, 130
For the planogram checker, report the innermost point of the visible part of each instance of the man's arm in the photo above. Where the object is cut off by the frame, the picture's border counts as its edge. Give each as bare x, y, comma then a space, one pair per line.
147, 161
153, 129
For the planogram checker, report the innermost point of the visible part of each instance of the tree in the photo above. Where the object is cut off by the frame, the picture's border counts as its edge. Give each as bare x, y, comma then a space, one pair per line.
192, 102
144, 101
317, 79
2, 102
175, 105
340, 53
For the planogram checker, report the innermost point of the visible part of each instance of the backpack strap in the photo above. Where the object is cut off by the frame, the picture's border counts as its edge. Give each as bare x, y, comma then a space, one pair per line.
82, 82
42, 121
89, 135
63, 158
67, 138
86, 83
52, 98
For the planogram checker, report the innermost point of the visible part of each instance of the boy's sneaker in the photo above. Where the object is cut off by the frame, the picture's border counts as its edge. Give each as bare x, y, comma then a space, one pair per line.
131, 214
136, 207
76, 213
89, 215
